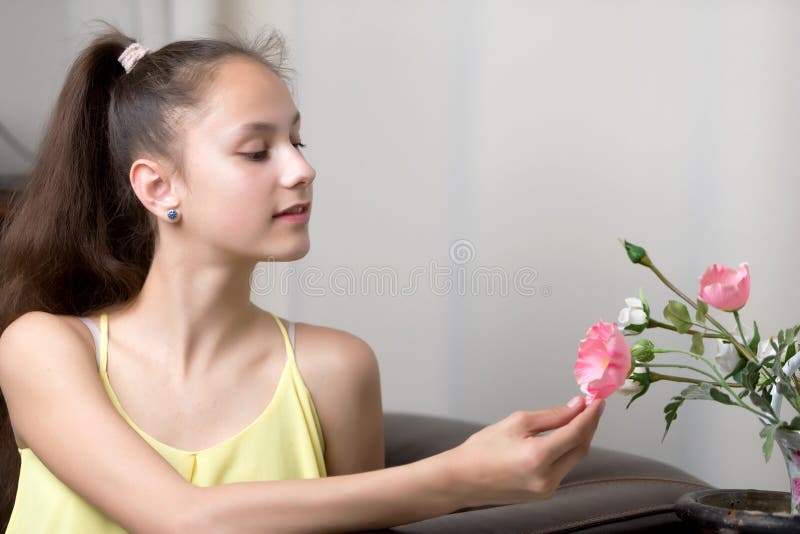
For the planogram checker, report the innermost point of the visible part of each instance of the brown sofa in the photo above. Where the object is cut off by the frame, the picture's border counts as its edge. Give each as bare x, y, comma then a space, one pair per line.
608, 491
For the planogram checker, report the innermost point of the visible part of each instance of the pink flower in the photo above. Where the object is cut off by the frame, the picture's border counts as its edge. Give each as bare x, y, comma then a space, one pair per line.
724, 288
604, 361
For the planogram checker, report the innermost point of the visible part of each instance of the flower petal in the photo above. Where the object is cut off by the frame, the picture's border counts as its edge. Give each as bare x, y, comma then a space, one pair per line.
633, 302
638, 317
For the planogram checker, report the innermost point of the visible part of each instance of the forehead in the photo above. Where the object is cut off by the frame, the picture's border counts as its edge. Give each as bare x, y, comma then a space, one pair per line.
245, 91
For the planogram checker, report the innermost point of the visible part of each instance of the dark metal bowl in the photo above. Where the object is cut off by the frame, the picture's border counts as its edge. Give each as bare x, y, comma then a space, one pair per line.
738, 510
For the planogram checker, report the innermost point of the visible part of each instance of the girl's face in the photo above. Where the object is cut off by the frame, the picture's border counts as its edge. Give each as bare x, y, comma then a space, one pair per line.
244, 164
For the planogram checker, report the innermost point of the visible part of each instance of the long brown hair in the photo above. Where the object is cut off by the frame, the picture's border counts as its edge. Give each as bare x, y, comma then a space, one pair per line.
77, 239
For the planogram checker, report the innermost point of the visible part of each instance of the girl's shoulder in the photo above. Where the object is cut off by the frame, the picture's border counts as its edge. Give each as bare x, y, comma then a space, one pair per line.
328, 348
36, 327
27, 346
341, 373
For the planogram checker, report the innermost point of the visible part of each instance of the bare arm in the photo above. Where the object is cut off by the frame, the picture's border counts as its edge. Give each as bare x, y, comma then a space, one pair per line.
50, 382
344, 503
504, 463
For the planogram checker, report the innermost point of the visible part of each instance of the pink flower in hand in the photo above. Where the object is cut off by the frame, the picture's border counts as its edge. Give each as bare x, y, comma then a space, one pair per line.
604, 361
725, 288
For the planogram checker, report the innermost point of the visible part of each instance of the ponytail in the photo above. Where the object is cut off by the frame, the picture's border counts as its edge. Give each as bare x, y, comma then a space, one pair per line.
77, 239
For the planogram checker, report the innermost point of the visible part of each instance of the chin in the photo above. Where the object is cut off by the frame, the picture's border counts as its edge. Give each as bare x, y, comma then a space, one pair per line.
297, 256
290, 253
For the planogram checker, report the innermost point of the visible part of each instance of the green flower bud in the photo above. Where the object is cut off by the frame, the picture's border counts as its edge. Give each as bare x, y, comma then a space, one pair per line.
642, 350
636, 253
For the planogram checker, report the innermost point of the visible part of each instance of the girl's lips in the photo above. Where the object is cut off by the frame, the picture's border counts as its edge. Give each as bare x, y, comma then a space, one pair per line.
294, 217
296, 208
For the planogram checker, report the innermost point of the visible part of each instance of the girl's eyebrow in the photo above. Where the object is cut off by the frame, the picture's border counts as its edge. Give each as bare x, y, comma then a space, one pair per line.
260, 126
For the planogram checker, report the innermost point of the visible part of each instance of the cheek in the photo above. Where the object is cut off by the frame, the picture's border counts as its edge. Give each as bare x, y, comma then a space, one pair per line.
238, 207
232, 199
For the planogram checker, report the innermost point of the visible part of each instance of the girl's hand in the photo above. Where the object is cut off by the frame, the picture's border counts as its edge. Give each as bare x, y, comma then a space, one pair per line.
510, 461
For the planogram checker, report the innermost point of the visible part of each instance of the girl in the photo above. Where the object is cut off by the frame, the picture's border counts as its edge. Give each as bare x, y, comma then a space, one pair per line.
136, 370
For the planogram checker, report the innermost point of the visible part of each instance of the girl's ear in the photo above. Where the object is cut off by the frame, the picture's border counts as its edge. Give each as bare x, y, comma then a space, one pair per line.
157, 190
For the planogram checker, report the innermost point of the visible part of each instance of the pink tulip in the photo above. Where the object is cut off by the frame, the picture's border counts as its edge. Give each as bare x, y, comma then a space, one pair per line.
604, 361
724, 288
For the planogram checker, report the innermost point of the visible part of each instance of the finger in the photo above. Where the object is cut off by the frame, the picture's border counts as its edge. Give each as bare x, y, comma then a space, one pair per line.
567, 461
554, 417
571, 458
579, 430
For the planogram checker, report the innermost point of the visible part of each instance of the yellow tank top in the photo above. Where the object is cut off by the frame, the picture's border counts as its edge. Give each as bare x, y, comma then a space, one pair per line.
284, 442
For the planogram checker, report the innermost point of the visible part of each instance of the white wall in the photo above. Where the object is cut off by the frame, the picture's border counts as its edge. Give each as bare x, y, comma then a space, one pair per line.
539, 132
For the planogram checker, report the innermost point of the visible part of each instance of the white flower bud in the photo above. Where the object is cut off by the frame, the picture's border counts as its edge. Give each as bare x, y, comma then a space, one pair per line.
633, 313
727, 357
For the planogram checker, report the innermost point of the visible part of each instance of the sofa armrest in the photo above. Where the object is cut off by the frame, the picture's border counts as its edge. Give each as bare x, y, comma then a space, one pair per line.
608, 491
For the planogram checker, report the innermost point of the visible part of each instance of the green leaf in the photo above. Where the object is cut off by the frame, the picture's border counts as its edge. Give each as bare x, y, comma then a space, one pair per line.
777, 368
671, 413
634, 329
697, 343
741, 364
791, 350
697, 392
785, 389
782, 380
795, 424
750, 375
784, 384
644, 380
676, 313
702, 310
720, 396
645, 305
756, 338
768, 433
761, 402
791, 334
705, 391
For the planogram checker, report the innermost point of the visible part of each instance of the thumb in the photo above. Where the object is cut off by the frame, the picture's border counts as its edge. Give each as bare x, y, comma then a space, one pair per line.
556, 416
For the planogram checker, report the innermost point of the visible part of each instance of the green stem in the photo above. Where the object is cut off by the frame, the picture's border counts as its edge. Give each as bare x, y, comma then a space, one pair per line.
739, 324
672, 378
669, 284
677, 366
721, 381
652, 323
704, 327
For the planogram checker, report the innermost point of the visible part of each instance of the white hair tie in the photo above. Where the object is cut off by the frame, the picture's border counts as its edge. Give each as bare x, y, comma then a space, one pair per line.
131, 55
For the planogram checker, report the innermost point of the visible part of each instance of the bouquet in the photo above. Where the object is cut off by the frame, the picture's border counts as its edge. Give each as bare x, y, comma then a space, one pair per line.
747, 372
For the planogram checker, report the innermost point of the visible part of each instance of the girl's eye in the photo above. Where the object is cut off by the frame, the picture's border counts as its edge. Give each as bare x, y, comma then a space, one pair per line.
261, 155
255, 156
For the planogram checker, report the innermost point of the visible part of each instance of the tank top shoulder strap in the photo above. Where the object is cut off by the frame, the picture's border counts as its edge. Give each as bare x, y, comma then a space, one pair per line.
103, 342
288, 337
95, 335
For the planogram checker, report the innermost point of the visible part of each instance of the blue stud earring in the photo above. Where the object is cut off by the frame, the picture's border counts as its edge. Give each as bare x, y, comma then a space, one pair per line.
172, 214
